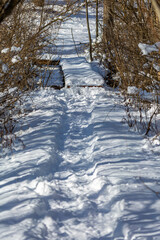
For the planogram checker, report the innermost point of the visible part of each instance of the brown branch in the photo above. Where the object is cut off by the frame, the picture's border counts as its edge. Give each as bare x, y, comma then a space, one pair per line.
156, 8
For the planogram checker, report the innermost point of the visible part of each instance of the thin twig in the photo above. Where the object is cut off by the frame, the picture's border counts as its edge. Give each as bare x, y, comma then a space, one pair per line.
74, 42
153, 191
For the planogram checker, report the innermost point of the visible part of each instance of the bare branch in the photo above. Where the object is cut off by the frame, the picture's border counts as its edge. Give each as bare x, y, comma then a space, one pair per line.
156, 8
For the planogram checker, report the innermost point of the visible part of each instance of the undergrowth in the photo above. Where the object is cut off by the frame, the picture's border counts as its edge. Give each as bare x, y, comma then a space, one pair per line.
129, 28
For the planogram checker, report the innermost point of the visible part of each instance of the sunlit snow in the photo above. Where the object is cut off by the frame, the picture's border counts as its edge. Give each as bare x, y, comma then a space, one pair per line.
76, 172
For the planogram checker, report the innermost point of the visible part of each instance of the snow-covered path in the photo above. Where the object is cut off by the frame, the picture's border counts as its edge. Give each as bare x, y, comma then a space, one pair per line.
83, 175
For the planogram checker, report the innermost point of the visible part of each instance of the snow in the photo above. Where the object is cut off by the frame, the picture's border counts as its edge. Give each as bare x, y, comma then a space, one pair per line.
50, 76
16, 59
16, 49
5, 50
82, 174
47, 56
146, 48
132, 90
13, 49
72, 68
150, 96
4, 68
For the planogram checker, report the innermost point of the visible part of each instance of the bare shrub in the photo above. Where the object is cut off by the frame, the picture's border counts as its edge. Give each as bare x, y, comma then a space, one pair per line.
24, 36
17, 71
21, 41
133, 22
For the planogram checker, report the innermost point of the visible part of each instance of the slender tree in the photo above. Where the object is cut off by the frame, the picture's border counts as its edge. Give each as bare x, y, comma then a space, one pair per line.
108, 22
89, 32
156, 6
97, 3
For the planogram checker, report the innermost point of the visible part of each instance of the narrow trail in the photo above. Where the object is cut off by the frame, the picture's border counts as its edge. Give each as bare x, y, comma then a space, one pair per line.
81, 175
100, 169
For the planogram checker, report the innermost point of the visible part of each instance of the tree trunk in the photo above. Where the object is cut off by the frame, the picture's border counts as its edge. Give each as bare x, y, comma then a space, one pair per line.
89, 32
108, 23
156, 6
7, 6
96, 19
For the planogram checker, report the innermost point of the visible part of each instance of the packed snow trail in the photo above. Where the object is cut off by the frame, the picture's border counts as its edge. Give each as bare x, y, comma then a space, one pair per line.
80, 174
83, 175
